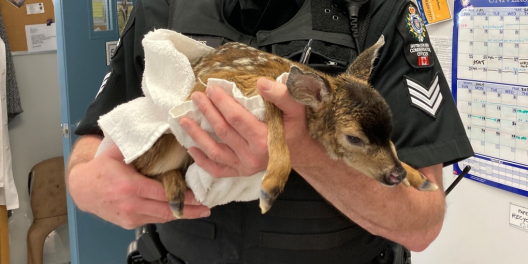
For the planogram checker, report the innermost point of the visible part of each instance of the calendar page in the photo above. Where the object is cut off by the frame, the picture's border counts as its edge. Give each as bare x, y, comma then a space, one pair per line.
490, 86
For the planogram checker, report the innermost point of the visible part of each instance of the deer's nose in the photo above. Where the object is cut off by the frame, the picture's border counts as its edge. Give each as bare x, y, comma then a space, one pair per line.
395, 176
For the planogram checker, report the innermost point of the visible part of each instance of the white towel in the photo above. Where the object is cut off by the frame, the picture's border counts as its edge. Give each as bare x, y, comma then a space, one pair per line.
167, 80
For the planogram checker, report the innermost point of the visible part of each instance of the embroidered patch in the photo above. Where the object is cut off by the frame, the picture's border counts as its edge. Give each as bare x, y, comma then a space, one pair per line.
427, 99
415, 25
416, 45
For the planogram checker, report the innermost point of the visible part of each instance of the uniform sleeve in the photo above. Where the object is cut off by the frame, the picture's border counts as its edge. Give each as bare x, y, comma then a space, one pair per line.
122, 83
427, 127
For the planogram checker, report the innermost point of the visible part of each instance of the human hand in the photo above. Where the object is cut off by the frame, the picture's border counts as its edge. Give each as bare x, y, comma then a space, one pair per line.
244, 149
116, 192
293, 113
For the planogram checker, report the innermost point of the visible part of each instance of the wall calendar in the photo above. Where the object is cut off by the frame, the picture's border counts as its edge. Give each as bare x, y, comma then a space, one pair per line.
490, 86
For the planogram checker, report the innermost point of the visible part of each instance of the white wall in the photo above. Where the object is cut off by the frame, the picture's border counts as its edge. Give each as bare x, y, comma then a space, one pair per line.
476, 228
35, 135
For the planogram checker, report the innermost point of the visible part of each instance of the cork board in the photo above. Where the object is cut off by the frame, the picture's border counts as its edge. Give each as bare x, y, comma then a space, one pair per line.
16, 19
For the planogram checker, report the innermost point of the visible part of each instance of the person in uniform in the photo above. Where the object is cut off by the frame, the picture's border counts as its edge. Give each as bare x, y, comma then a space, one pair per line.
328, 212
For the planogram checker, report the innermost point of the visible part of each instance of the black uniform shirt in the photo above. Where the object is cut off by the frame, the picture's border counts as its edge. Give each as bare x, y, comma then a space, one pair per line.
422, 139
427, 131
249, 16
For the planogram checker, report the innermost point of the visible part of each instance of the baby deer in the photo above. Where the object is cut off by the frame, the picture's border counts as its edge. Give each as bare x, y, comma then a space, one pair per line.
344, 113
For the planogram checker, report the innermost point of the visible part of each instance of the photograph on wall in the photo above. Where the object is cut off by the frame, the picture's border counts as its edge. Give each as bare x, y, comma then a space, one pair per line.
17, 3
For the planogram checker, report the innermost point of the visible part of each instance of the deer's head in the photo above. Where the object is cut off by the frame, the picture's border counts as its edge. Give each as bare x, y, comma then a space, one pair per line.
350, 118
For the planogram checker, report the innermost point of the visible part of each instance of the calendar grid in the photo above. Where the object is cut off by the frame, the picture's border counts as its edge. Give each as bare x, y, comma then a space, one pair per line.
493, 45
492, 93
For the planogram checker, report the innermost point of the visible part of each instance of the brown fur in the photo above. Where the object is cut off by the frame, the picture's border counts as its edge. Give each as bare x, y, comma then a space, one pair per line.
339, 109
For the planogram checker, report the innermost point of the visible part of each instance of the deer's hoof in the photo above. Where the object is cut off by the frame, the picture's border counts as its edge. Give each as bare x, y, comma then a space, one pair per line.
177, 209
428, 186
266, 200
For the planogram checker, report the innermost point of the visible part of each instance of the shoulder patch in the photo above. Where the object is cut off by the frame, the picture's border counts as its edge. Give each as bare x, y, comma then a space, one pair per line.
428, 99
416, 46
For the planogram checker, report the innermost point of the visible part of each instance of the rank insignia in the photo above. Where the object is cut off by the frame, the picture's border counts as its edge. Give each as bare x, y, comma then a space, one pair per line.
426, 98
415, 25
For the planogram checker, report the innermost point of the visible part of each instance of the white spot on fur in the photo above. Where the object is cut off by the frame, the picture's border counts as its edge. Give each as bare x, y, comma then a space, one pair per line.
261, 59
242, 61
226, 68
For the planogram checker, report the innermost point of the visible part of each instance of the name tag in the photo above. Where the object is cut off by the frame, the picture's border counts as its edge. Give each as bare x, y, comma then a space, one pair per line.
213, 42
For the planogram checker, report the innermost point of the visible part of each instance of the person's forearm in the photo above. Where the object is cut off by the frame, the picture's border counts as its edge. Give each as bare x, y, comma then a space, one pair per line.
83, 151
401, 214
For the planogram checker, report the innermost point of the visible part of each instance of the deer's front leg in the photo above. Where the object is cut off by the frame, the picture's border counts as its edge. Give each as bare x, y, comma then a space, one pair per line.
417, 180
279, 165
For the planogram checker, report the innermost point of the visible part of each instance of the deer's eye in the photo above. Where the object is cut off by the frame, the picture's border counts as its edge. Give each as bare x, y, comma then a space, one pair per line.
354, 140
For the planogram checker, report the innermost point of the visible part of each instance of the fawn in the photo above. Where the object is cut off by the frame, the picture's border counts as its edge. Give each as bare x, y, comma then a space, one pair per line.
344, 113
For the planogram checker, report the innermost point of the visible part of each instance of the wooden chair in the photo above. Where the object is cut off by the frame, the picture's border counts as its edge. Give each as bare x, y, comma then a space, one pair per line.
48, 203
4, 236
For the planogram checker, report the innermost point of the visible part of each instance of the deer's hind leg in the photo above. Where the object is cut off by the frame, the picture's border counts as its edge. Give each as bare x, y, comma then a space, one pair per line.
166, 162
174, 183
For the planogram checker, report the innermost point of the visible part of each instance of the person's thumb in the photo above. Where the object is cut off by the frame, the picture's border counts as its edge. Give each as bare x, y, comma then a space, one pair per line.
277, 94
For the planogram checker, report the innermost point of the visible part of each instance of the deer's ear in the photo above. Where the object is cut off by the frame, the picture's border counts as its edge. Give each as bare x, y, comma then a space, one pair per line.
308, 88
362, 66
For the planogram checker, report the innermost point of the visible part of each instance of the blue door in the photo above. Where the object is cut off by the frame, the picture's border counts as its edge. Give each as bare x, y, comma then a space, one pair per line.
84, 29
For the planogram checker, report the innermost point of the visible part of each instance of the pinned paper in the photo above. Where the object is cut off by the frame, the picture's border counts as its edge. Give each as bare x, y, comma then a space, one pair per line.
519, 217
434, 11
41, 37
37, 8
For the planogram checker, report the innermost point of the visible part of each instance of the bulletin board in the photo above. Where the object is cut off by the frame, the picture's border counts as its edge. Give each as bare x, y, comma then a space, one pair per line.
490, 86
16, 19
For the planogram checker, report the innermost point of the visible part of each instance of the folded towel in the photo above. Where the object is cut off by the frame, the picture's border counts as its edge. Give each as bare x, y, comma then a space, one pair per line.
167, 81
168, 78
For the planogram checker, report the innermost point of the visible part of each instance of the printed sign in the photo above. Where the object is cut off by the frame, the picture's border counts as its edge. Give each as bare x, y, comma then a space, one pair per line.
519, 217
111, 48
434, 11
